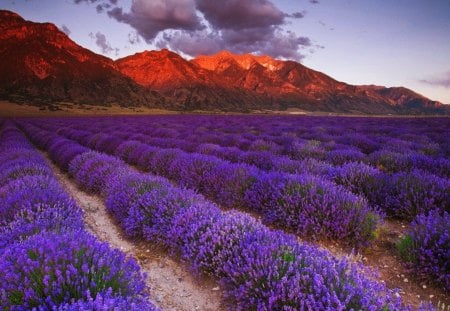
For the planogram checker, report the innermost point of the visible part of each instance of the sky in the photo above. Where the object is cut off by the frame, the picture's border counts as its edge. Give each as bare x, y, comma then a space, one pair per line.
390, 43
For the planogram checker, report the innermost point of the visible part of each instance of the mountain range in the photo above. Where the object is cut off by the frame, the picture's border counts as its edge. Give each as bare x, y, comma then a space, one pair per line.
41, 65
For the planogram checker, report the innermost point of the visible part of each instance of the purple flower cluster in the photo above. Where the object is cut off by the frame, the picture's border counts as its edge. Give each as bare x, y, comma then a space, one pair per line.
60, 150
342, 156
313, 207
49, 269
47, 260
106, 301
16, 170
401, 161
427, 246
357, 177
29, 193
400, 195
290, 274
93, 171
407, 194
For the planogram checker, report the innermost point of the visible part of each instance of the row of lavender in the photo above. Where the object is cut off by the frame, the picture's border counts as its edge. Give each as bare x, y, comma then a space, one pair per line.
308, 205
408, 195
406, 145
48, 261
390, 192
259, 268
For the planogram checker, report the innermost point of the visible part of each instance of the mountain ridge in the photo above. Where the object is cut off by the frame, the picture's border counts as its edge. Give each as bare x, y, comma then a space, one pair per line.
40, 64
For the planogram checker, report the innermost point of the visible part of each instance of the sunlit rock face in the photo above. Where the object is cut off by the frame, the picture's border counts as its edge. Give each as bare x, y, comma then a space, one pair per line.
40, 64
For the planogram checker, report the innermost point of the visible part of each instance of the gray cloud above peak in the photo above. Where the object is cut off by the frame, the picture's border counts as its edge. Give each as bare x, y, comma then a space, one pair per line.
113, 2
192, 43
151, 17
238, 14
205, 26
133, 38
276, 44
65, 29
102, 42
298, 14
442, 80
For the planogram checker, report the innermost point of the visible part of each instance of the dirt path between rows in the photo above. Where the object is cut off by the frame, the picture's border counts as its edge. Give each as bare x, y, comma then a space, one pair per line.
172, 285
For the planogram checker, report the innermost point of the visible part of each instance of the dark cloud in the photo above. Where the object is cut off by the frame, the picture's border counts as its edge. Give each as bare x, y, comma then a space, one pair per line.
314, 1
102, 7
205, 26
102, 43
298, 14
238, 14
133, 38
65, 29
151, 17
441, 80
200, 42
242, 27
85, 1
276, 44
113, 2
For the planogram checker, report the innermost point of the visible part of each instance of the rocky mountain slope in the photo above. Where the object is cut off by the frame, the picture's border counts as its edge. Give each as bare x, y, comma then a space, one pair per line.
39, 64
226, 81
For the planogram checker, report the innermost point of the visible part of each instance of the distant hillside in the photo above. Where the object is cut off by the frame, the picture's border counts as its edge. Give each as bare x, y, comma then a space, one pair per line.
407, 100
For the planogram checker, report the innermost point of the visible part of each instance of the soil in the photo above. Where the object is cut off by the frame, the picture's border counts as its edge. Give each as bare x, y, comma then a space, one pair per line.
8, 109
172, 286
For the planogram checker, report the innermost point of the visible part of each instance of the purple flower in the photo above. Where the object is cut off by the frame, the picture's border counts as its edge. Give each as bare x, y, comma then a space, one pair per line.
427, 246
48, 269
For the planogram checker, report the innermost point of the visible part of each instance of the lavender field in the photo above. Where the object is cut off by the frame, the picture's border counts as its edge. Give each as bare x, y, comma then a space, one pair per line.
283, 212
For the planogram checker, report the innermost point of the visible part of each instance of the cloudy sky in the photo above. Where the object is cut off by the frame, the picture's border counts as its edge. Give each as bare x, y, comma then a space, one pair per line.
391, 43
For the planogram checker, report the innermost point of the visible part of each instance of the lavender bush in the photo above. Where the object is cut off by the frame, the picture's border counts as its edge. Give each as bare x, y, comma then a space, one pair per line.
313, 207
107, 301
18, 170
57, 218
426, 248
126, 189
50, 269
271, 271
30, 192
409, 194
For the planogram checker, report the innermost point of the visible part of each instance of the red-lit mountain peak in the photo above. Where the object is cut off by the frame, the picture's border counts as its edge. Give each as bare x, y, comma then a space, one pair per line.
8, 17
161, 70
